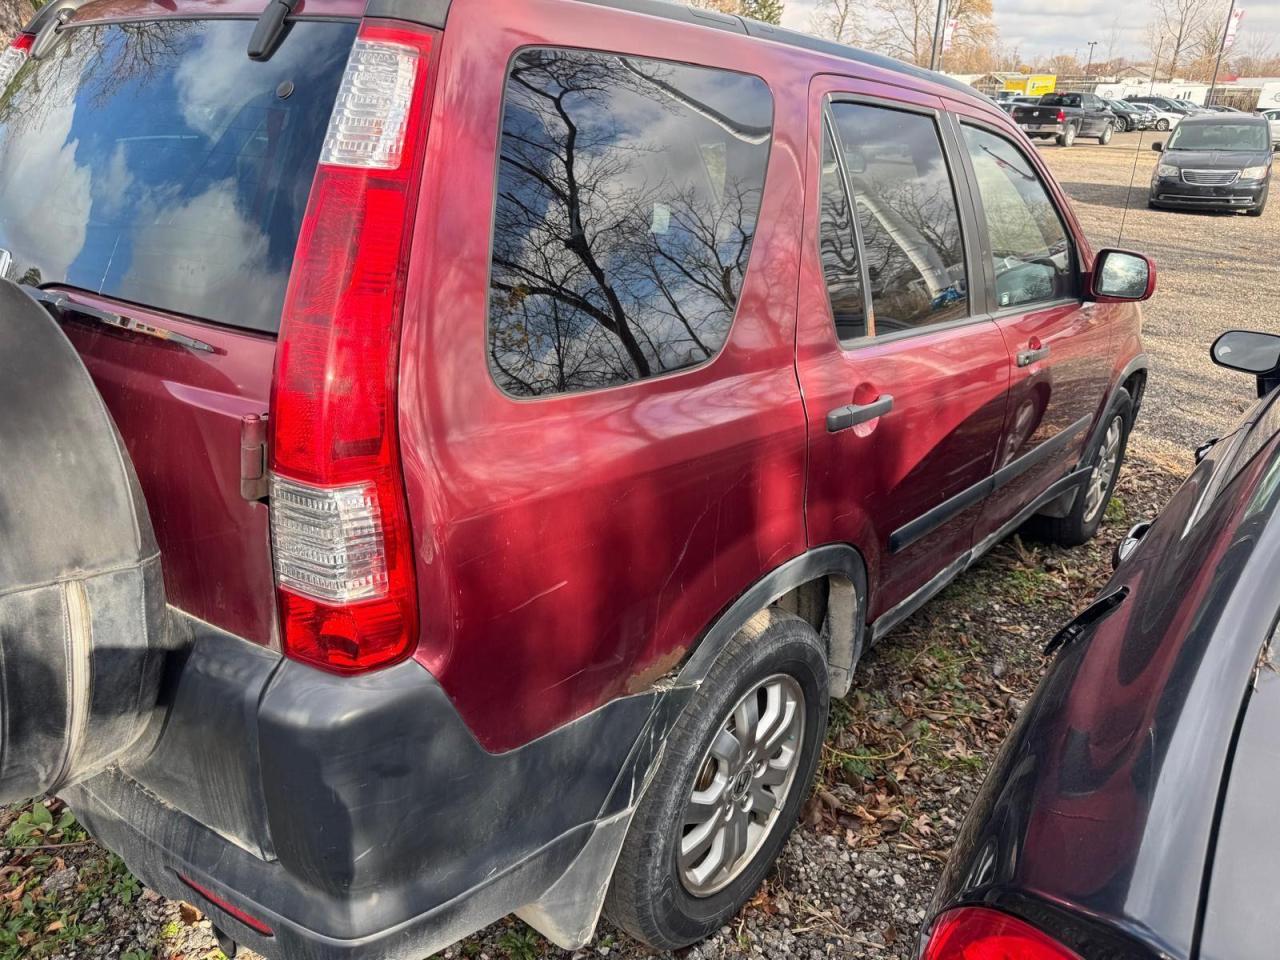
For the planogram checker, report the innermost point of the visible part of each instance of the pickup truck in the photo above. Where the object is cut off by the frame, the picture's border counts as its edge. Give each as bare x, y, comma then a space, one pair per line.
1065, 116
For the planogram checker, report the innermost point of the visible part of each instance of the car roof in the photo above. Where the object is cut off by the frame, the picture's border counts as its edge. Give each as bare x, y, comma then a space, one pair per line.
791, 38
1209, 119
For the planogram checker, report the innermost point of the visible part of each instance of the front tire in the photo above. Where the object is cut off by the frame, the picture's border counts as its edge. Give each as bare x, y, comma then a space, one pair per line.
1105, 137
1162, 125
734, 772
1090, 504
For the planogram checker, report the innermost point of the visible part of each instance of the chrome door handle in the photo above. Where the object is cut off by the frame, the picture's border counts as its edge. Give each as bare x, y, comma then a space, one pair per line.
842, 418
1027, 357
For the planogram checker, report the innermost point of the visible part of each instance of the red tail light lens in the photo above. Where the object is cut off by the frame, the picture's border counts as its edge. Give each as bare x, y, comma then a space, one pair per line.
14, 56
977, 933
340, 524
1062, 116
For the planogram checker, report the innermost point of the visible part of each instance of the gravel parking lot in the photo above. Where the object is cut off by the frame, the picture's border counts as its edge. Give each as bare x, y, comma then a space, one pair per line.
906, 751
1216, 271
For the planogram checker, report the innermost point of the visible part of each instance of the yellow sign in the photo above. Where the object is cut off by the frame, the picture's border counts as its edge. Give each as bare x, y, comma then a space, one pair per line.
1032, 85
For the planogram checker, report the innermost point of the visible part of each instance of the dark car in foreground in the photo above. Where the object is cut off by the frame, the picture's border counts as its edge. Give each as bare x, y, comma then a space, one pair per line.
1214, 162
1131, 814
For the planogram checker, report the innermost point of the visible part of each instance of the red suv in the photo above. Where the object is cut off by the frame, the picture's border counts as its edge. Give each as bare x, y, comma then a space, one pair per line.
505, 425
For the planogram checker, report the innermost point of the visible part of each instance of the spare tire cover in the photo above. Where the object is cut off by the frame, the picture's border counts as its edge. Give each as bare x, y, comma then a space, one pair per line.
83, 623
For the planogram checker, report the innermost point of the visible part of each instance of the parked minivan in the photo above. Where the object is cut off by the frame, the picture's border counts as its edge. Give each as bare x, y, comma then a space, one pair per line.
505, 426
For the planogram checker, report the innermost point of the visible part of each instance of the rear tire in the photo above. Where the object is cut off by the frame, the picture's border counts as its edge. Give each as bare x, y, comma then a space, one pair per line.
775, 666
1067, 137
1090, 505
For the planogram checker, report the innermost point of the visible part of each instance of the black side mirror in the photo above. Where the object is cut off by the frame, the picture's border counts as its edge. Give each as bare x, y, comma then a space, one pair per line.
1158, 146
1120, 275
1124, 549
1250, 351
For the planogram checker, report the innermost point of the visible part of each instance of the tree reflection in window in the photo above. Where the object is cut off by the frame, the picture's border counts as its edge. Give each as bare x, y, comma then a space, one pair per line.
907, 213
628, 192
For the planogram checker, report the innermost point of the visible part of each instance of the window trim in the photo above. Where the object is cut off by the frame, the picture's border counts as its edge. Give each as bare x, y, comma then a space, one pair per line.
493, 221
868, 310
957, 172
993, 310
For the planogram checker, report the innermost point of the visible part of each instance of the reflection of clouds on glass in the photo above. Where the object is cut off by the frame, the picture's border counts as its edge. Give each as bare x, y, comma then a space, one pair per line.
44, 196
231, 268
210, 80
113, 187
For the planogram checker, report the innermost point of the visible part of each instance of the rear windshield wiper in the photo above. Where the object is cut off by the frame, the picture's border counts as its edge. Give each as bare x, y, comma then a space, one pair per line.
60, 306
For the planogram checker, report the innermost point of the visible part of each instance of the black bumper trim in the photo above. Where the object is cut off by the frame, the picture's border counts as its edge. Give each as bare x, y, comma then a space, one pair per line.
372, 808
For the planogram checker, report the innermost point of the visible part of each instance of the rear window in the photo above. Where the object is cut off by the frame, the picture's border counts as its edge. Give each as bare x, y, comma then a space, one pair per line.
155, 163
1060, 100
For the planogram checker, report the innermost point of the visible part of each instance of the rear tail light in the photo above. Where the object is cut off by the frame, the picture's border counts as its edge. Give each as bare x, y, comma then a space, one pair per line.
339, 521
14, 56
978, 933
1062, 116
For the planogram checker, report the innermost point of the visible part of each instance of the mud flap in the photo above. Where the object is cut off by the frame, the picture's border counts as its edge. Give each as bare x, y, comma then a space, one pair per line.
83, 624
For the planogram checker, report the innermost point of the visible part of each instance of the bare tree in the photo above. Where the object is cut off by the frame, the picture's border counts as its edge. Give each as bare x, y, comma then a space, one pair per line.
1175, 25
909, 27
837, 20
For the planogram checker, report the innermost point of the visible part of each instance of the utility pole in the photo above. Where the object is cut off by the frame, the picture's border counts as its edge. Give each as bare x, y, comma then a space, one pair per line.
1222, 46
1089, 65
935, 55
1155, 67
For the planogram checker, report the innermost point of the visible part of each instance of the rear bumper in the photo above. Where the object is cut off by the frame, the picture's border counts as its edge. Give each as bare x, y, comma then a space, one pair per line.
1176, 194
358, 816
1043, 129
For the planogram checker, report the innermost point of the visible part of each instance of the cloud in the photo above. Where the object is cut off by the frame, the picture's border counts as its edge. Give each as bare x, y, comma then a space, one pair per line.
1037, 28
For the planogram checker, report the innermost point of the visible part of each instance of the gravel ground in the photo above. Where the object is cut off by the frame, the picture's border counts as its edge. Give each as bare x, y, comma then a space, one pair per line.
907, 750
904, 755
1216, 271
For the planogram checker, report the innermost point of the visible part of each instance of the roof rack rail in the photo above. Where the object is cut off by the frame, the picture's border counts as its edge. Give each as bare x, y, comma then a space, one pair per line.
791, 38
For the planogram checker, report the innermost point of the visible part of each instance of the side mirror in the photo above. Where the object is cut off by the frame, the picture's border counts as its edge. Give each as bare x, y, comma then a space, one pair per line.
1120, 276
1124, 549
1158, 146
1250, 352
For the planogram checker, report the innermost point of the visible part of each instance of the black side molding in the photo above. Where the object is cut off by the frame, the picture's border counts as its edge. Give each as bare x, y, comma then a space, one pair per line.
930, 520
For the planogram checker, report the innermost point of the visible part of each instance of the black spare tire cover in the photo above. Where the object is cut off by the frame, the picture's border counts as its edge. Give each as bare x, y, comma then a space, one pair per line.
83, 624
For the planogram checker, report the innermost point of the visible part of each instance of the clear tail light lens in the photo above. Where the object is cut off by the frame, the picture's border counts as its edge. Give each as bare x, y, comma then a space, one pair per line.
14, 56
340, 525
979, 933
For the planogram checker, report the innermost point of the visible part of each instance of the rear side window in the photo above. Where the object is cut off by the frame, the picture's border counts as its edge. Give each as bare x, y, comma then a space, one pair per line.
838, 244
154, 162
627, 197
906, 208
1030, 250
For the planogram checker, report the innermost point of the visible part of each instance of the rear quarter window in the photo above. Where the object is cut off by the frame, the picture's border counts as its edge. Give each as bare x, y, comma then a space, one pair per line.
155, 163
627, 197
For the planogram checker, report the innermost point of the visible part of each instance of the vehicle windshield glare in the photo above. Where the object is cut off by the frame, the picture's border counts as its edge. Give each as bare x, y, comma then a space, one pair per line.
1219, 136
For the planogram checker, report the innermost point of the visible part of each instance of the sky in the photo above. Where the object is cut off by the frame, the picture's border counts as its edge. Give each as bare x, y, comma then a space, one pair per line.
1046, 27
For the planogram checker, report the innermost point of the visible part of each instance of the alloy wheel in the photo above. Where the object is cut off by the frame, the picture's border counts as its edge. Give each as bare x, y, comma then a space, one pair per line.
742, 785
1104, 470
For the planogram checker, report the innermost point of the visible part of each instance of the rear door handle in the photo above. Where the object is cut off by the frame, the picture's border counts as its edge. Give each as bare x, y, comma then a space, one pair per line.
1027, 357
842, 418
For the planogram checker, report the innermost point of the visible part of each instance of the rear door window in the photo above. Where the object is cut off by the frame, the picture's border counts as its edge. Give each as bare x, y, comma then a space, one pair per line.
907, 216
155, 163
627, 197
